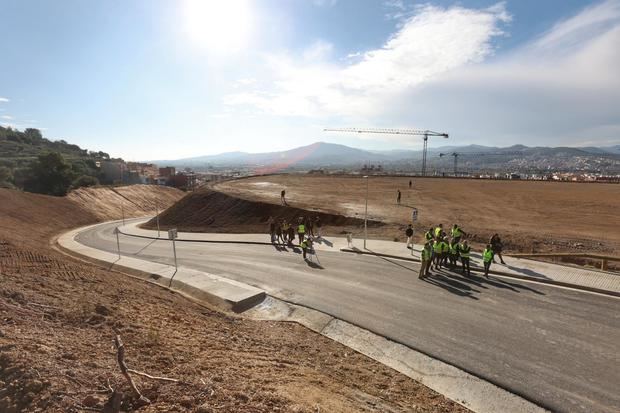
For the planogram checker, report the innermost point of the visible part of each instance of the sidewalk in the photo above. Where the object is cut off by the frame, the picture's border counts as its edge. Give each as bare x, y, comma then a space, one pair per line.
586, 279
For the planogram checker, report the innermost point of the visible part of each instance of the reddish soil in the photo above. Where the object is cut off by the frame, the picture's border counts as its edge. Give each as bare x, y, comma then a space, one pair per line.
58, 317
528, 215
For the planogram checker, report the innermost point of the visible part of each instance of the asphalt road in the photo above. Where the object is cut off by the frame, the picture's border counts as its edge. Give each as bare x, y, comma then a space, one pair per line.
554, 346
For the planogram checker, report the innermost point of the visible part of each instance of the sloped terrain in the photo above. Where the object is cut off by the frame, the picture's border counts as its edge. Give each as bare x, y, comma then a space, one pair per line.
108, 203
528, 215
212, 211
59, 316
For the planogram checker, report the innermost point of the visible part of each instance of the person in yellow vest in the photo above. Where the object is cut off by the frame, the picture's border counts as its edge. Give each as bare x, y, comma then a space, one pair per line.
285, 231
464, 250
305, 245
453, 253
425, 258
438, 231
456, 232
301, 230
428, 235
445, 249
437, 244
487, 258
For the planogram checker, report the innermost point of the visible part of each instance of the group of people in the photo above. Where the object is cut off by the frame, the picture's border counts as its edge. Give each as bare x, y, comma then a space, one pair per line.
305, 229
443, 251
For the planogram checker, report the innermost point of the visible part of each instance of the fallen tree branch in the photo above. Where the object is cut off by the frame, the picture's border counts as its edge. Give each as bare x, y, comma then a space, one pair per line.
139, 373
120, 358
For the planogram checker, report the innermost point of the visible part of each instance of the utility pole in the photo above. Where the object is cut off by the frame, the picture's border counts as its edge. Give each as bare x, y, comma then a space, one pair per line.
366, 214
157, 211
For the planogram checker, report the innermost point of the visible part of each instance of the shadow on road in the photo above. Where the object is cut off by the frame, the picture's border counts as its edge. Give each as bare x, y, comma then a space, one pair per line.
486, 283
526, 271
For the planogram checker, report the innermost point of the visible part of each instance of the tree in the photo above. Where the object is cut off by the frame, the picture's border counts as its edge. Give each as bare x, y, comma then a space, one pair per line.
6, 177
84, 181
49, 174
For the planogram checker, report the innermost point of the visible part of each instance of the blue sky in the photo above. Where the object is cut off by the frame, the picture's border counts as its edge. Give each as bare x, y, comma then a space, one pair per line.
160, 79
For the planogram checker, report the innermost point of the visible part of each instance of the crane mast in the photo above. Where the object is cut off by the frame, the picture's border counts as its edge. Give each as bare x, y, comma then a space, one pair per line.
416, 132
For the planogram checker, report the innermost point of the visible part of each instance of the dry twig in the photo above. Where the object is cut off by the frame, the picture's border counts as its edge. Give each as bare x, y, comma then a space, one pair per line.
120, 358
139, 373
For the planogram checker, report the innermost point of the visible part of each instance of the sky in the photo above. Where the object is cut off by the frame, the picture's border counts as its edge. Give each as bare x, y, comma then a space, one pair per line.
167, 79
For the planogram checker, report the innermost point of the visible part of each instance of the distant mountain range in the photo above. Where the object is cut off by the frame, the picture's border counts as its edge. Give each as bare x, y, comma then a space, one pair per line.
471, 157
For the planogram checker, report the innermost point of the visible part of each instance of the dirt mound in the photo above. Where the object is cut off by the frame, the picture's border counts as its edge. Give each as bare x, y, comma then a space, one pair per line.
214, 211
136, 200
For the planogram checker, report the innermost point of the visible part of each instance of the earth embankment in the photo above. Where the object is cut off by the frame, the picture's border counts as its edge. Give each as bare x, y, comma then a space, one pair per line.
213, 211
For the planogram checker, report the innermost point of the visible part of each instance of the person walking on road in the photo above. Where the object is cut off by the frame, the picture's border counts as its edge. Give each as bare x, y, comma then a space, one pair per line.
409, 234
497, 246
398, 196
301, 230
425, 258
309, 226
487, 258
464, 250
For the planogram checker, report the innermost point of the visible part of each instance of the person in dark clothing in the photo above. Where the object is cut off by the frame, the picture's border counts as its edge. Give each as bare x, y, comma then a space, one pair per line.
398, 197
409, 234
272, 228
410, 183
497, 246
283, 197
291, 234
279, 237
318, 224
309, 226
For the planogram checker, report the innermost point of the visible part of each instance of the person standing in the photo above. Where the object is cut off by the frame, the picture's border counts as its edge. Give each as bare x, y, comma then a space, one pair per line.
283, 197
305, 245
453, 253
456, 232
410, 184
487, 258
428, 235
398, 196
318, 224
438, 231
425, 258
445, 250
309, 226
285, 227
409, 234
272, 227
497, 246
301, 230
279, 237
437, 254
291, 233
464, 250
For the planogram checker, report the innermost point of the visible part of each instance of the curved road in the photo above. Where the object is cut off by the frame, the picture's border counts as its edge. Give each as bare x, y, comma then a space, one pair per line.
554, 346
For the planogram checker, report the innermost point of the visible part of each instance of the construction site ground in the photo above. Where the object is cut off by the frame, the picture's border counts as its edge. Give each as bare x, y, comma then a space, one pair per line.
59, 316
537, 216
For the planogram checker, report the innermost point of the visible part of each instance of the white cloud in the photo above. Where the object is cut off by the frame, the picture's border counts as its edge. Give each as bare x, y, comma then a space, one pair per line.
4, 99
431, 42
7, 117
561, 88
325, 3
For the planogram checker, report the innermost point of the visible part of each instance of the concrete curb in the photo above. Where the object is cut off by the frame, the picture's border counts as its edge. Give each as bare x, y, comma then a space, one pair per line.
221, 292
500, 273
475, 393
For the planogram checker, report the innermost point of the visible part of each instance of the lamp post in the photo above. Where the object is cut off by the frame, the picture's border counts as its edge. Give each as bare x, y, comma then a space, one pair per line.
366, 213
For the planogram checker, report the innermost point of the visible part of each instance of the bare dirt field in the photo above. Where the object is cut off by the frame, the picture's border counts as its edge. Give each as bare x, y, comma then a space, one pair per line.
58, 318
528, 215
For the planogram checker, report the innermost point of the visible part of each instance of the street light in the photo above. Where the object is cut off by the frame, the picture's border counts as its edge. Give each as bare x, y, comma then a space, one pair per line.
366, 213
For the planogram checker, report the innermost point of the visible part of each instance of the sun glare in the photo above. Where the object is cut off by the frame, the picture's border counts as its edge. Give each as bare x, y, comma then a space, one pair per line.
221, 26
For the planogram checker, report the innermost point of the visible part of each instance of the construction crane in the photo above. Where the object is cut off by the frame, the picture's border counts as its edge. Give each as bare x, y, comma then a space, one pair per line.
424, 133
457, 154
